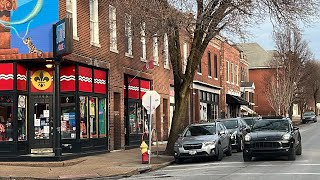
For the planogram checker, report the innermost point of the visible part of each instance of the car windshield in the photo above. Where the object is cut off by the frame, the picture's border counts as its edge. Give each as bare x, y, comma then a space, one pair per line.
271, 124
308, 113
200, 130
250, 122
230, 124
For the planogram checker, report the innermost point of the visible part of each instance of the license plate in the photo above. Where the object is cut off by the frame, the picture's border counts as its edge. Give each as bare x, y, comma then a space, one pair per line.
192, 152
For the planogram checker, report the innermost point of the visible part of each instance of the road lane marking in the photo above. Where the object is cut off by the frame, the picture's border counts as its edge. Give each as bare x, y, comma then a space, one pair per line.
222, 174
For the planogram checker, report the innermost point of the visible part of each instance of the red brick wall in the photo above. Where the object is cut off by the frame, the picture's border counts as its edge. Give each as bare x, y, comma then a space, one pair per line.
231, 54
262, 106
117, 63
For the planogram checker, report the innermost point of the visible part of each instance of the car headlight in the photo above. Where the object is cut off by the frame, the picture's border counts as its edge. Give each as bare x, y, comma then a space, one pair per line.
234, 135
247, 137
210, 143
286, 136
177, 145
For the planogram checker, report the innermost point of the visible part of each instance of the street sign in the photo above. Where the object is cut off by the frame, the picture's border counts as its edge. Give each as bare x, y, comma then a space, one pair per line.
150, 101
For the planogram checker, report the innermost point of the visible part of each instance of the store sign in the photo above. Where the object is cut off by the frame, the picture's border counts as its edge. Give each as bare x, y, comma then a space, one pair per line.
41, 80
63, 37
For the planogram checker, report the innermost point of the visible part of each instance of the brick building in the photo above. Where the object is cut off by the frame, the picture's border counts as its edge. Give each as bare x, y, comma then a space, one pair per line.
90, 99
258, 70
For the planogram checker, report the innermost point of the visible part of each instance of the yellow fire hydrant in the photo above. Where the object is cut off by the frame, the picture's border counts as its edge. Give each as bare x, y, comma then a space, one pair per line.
144, 153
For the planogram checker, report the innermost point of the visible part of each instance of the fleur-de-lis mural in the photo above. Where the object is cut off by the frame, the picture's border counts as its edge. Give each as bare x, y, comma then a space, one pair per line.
41, 79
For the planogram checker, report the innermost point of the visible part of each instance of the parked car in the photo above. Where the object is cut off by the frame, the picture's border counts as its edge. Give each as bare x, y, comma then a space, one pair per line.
250, 120
309, 116
203, 140
238, 128
276, 137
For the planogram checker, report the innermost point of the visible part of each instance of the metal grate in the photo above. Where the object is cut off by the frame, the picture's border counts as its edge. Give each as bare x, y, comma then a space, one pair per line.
192, 146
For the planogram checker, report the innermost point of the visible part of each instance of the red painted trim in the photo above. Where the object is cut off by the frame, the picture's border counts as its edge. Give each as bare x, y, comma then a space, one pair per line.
67, 78
85, 79
6, 76
100, 81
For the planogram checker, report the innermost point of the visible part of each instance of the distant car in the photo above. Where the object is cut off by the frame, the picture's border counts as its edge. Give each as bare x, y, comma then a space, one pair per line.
250, 120
276, 137
309, 116
203, 140
238, 128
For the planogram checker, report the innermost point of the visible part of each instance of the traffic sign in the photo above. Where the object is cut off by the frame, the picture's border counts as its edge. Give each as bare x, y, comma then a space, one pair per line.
150, 101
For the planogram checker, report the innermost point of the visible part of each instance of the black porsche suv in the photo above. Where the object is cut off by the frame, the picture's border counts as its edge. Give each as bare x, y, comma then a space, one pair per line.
276, 137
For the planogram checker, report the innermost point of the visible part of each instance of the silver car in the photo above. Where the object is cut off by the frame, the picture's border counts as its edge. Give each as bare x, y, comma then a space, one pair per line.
203, 140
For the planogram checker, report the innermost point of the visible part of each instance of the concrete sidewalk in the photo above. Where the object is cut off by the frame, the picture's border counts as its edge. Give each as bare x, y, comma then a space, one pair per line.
119, 163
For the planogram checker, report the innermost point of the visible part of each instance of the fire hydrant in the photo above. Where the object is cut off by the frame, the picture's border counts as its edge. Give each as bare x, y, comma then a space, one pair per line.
144, 153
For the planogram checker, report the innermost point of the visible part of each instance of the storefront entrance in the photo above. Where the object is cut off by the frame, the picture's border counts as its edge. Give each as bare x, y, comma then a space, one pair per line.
41, 124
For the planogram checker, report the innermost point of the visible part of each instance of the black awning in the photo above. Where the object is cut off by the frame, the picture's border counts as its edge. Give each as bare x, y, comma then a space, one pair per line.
231, 99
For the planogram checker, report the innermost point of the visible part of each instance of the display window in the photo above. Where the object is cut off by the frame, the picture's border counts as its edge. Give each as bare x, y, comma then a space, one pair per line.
83, 117
137, 118
102, 118
6, 119
22, 118
93, 117
68, 117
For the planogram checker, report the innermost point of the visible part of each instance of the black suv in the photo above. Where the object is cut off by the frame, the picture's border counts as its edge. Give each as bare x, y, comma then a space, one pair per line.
309, 116
272, 137
238, 128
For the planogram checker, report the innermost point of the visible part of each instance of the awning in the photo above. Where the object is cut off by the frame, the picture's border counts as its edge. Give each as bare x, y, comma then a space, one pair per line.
247, 109
231, 99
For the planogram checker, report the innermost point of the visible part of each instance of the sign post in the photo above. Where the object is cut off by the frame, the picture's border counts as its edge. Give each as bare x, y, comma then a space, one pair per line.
62, 45
150, 101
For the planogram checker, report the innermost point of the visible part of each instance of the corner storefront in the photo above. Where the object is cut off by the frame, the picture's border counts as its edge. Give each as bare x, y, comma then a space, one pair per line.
27, 108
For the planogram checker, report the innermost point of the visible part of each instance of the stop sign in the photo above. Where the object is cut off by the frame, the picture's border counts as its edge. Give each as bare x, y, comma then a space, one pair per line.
150, 101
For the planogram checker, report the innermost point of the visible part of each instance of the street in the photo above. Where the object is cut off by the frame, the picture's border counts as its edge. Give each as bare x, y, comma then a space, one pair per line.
306, 166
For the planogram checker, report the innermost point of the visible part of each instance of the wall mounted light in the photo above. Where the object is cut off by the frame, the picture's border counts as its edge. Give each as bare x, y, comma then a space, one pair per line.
49, 64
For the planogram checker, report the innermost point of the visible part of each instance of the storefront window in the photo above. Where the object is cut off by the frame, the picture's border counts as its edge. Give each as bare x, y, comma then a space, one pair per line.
102, 117
6, 109
22, 120
136, 118
68, 119
93, 118
83, 117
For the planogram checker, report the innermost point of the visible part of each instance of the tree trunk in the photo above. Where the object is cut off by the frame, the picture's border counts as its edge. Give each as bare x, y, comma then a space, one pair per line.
179, 118
291, 111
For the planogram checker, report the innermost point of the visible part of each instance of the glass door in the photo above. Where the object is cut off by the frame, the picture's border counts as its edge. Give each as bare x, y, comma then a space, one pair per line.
41, 124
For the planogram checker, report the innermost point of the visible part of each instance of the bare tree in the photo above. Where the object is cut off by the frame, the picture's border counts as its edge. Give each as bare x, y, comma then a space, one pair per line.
290, 70
198, 21
311, 83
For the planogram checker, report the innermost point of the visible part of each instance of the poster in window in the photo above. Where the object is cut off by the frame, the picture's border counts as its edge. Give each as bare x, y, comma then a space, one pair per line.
102, 124
203, 111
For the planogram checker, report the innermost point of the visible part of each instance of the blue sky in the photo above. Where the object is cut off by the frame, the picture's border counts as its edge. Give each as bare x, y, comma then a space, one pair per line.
262, 34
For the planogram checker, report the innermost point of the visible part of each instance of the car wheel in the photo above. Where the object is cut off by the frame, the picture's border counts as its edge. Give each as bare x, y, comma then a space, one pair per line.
315, 120
220, 153
299, 149
229, 151
246, 157
292, 155
303, 122
240, 145
178, 160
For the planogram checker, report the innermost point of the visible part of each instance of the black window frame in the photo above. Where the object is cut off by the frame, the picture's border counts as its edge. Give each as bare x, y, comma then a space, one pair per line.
209, 64
215, 59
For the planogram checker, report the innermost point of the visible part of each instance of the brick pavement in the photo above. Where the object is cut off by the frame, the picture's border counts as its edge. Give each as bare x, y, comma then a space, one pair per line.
119, 163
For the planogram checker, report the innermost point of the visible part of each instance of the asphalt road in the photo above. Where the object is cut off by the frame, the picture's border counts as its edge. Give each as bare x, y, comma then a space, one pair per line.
306, 166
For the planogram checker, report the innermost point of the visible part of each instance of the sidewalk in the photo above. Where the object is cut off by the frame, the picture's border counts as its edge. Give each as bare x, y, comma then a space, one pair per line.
119, 163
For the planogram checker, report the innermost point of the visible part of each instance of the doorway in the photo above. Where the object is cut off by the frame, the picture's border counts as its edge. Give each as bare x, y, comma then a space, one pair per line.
41, 124
117, 121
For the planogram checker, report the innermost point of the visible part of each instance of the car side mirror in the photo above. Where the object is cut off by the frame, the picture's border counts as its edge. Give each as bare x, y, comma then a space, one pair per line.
295, 128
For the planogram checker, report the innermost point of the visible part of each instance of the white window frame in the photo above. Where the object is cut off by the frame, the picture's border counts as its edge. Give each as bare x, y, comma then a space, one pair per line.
185, 57
166, 51
73, 14
237, 75
143, 56
94, 23
155, 50
128, 34
232, 73
228, 71
113, 29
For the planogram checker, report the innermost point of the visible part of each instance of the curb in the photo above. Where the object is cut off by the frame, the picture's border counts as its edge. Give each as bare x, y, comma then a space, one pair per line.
47, 164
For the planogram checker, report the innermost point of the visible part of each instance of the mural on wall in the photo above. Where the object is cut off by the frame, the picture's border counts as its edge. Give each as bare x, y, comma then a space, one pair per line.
26, 28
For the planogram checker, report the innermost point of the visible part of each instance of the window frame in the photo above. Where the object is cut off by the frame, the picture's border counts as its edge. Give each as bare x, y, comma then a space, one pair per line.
166, 51
143, 55
209, 64
113, 29
128, 35
228, 71
215, 66
73, 14
94, 23
155, 48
